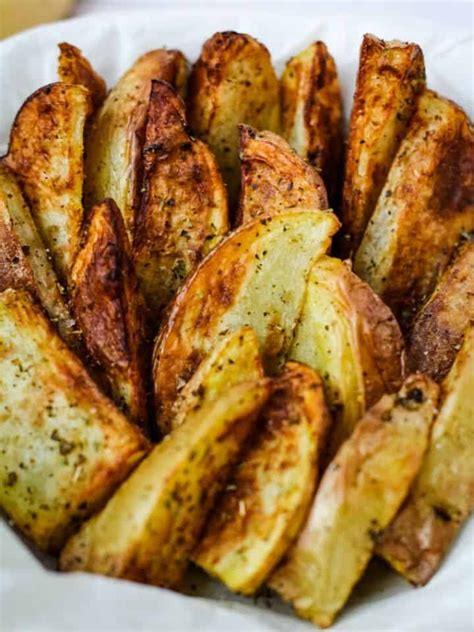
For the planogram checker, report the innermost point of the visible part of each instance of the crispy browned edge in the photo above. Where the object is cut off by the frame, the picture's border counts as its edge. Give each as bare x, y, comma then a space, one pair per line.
322, 115
109, 307
438, 329
73, 67
274, 178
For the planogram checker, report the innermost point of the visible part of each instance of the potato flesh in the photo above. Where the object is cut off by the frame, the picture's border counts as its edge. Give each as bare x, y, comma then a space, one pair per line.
74, 68
148, 529
359, 494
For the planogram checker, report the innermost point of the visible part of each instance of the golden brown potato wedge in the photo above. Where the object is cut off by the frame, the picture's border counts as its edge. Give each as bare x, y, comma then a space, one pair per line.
274, 178
115, 139
351, 339
149, 528
46, 154
270, 490
246, 280
109, 308
183, 210
359, 494
443, 494
234, 359
426, 204
232, 82
65, 446
438, 329
391, 75
312, 113
74, 68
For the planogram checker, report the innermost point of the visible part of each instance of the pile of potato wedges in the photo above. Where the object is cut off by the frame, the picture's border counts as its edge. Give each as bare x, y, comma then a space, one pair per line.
228, 335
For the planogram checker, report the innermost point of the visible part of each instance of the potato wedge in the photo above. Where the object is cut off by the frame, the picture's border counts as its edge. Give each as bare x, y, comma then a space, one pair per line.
312, 113
234, 359
246, 280
114, 141
149, 528
46, 154
438, 329
65, 446
109, 308
232, 82
443, 494
351, 339
426, 204
391, 75
270, 490
359, 494
74, 68
183, 212
274, 178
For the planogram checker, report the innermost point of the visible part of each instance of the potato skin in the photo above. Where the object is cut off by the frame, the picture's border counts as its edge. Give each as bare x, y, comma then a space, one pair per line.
391, 76
74, 68
438, 329
442, 496
232, 82
149, 528
183, 211
270, 490
46, 155
312, 113
274, 178
65, 447
427, 203
109, 308
359, 494
115, 139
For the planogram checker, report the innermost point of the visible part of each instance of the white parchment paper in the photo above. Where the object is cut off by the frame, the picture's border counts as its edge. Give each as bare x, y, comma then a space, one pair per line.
33, 598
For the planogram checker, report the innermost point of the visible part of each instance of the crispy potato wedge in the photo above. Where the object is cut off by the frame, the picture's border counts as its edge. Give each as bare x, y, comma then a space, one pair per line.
438, 329
246, 280
183, 211
442, 496
426, 204
65, 446
270, 490
114, 141
351, 339
312, 112
234, 359
149, 528
46, 154
232, 82
359, 494
274, 178
109, 308
74, 68
391, 75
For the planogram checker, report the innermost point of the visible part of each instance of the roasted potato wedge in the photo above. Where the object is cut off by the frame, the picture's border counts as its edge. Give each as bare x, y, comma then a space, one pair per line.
65, 446
270, 490
443, 494
438, 329
426, 204
234, 359
149, 528
232, 82
359, 494
74, 68
351, 339
183, 210
391, 75
46, 154
312, 113
115, 139
109, 308
246, 280
274, 178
